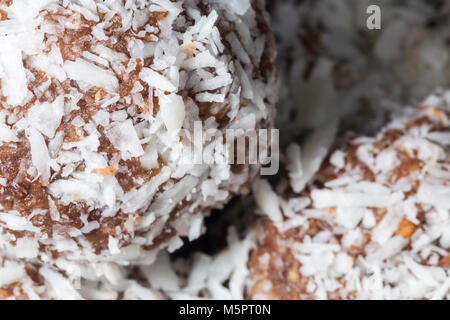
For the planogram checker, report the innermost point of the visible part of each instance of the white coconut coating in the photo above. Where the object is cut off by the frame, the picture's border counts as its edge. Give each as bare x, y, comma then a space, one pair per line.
372, 223
93, 96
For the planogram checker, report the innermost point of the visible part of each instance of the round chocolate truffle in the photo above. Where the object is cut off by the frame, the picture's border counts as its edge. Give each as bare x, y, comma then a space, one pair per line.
373, 223
99, 101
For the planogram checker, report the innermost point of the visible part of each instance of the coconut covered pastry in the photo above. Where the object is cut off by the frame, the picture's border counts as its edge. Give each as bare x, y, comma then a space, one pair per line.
93, 96
373, 223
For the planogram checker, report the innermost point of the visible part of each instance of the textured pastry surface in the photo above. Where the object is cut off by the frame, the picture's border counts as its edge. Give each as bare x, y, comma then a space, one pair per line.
93, 95
374, 223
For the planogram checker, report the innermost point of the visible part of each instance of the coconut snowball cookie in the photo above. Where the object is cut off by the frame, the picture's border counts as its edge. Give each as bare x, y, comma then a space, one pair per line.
93, 95
374, 223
